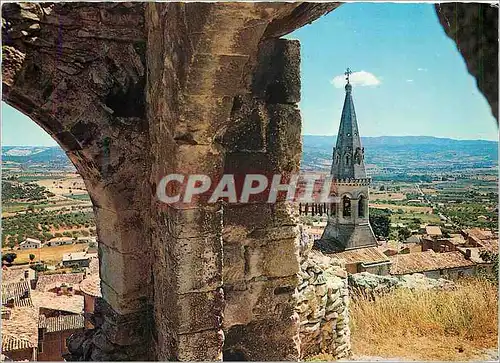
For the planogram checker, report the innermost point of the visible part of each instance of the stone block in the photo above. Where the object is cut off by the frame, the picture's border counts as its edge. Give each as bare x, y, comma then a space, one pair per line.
203, 118
125, 303
244, 40
124, 273
274, 259
134, 330
265, 340
247, 128
198, 159
284, 135
261, 300
194, 263
277, 76
122, 231
234, 264
200, 346
255, 216
191, 223
217, 75
200, 311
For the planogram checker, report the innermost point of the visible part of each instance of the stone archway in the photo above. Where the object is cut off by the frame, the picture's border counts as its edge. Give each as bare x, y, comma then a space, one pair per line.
137, 91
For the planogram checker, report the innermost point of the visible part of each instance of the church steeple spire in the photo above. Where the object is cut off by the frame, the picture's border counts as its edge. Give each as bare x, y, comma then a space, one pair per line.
348, 154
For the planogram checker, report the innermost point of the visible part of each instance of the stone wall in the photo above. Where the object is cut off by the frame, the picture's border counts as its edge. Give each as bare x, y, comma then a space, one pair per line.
323, 306
260, 240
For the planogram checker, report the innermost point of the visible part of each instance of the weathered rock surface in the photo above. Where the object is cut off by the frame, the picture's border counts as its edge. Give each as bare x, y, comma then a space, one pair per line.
474, 29
323, 306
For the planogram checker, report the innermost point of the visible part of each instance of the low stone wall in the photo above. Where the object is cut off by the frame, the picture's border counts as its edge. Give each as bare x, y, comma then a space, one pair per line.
322, 304
370, 286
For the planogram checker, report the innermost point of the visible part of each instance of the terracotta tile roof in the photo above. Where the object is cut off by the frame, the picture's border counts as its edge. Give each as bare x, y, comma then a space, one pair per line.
50, 300
489, 245
456, 239
42, 321
93, 268
47, 282
16, 274
22, 324
365, 255
19, 291
427, 261
63, 322
91, 286
10, 343
433, 231
479, 233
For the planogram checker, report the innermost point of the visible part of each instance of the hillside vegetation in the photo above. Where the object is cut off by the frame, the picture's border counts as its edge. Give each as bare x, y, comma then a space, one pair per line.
451, 325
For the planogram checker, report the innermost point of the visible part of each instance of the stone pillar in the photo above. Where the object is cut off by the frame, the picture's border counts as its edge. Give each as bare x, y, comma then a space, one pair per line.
260, 239
190, 92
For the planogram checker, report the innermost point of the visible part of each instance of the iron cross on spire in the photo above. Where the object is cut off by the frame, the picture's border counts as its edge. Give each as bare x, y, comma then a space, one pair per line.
347, 74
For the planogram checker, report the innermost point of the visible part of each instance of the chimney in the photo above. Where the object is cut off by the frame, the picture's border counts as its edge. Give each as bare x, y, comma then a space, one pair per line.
467, 253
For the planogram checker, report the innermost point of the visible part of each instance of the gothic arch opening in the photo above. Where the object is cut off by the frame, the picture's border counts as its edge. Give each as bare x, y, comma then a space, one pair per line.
362, 205
49, 229
346, 206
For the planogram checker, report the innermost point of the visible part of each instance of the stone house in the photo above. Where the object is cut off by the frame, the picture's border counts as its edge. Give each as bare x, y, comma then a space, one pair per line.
87, 239
80, 259
52, 334
439, 245
433, 231
369, 259
17, 349
19, 332
411, 248
48, 282
30, 243
59, 241
449, 265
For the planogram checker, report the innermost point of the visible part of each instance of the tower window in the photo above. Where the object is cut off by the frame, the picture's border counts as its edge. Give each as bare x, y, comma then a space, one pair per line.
362, 207
333, 209
347, 159
346, 206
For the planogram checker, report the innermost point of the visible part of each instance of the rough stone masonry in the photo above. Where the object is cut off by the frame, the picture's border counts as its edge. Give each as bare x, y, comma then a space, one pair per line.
135, 91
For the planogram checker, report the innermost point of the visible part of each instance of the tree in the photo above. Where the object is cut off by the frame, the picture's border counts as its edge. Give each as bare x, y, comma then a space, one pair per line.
39, 267
32, 257
9, 257
403, 234
492, 258
380, 222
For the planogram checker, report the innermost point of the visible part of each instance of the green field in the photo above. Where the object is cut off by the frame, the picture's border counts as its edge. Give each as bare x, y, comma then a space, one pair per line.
84, 197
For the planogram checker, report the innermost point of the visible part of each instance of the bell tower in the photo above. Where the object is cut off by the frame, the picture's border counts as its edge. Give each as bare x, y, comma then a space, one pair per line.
348, 224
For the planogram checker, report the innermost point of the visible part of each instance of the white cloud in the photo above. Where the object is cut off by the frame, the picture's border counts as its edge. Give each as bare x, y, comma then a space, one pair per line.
409, 80
361, 78
422, 69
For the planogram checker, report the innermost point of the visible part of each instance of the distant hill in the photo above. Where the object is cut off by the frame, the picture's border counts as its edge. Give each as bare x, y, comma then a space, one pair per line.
32, 153
417, 153
387, 141
395, 153
36, 157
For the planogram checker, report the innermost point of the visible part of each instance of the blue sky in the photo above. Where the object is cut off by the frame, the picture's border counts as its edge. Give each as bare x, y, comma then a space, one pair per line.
409, 78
